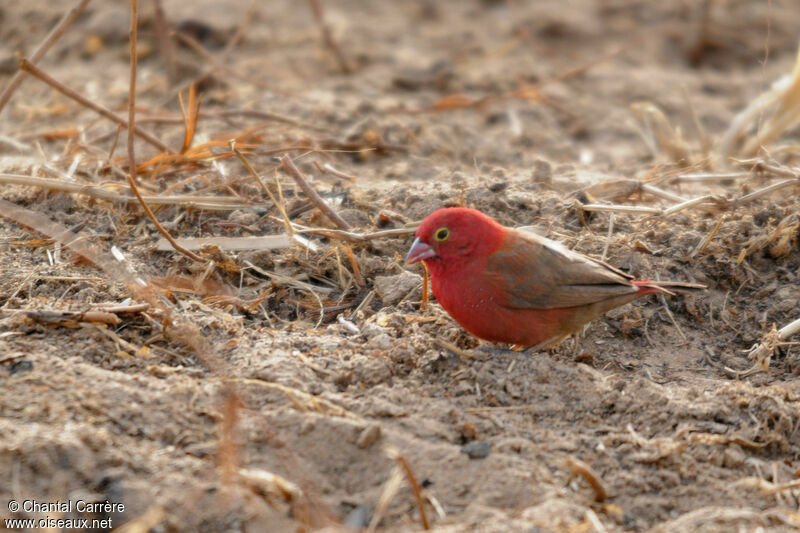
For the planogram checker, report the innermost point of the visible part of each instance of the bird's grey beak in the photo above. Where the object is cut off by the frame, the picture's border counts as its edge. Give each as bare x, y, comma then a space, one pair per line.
419, 251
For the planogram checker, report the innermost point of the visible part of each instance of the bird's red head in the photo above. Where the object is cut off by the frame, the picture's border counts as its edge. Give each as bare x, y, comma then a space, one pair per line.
452, 235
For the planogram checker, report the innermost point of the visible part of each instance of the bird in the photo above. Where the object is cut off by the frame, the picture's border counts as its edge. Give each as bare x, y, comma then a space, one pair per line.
511, 286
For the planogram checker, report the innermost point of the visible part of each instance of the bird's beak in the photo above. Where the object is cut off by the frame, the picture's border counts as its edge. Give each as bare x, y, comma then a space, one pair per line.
419, 251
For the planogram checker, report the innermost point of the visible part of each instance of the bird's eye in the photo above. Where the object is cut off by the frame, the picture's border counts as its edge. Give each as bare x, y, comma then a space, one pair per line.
441, 234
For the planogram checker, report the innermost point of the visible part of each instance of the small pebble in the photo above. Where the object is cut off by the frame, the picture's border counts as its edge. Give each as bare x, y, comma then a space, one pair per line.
477, 449
23, 365
357, 519
733, 457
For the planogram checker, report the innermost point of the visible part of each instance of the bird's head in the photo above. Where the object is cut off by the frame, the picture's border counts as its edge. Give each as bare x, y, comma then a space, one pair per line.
454, 235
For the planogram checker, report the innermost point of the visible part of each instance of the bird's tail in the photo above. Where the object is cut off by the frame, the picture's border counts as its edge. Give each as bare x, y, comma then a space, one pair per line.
668, 287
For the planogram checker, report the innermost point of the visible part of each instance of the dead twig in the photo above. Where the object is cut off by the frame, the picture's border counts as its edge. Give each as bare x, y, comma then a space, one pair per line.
327, 168
452, 348
709, 176
415, 488
661, 193
794, 182
767, 487
114, 144
65, 318
364, 303
133, 308
222, 114
671, 316
703, 244
579, 468
608, 237
76, 241
354, 265
192, 43
229, 47
706, 518
630, 209
54, 35
165, 41
111, 334
131, 134
685, 205
784, 97
389, 491
663, 134
594, 520
701, 202
222, 203
270, 485
262, 115
292, 170
762, 352
28, 67
780, 240
280, 205
350, 236
355, 237
705, 142
295, 283
347, 325
663, 300
778, 170
190, 115
267, 242
104, 314
302, 401
228, 449
327, 36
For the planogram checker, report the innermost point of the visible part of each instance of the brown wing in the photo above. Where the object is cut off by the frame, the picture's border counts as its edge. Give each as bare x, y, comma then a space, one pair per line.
537, 273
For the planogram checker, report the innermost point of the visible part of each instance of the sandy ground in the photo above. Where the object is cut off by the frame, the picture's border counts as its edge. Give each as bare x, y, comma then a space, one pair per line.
515, 108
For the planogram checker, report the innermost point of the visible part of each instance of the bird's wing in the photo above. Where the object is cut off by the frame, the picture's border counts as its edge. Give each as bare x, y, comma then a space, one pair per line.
537, 273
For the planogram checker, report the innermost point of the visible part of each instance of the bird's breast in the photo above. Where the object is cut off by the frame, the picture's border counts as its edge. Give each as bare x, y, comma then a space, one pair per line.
468, 299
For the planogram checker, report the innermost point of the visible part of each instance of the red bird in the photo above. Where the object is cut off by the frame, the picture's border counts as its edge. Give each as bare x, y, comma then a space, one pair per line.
505, 285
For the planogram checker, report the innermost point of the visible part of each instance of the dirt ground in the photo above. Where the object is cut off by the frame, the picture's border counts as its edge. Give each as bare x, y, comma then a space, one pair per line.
233, 404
